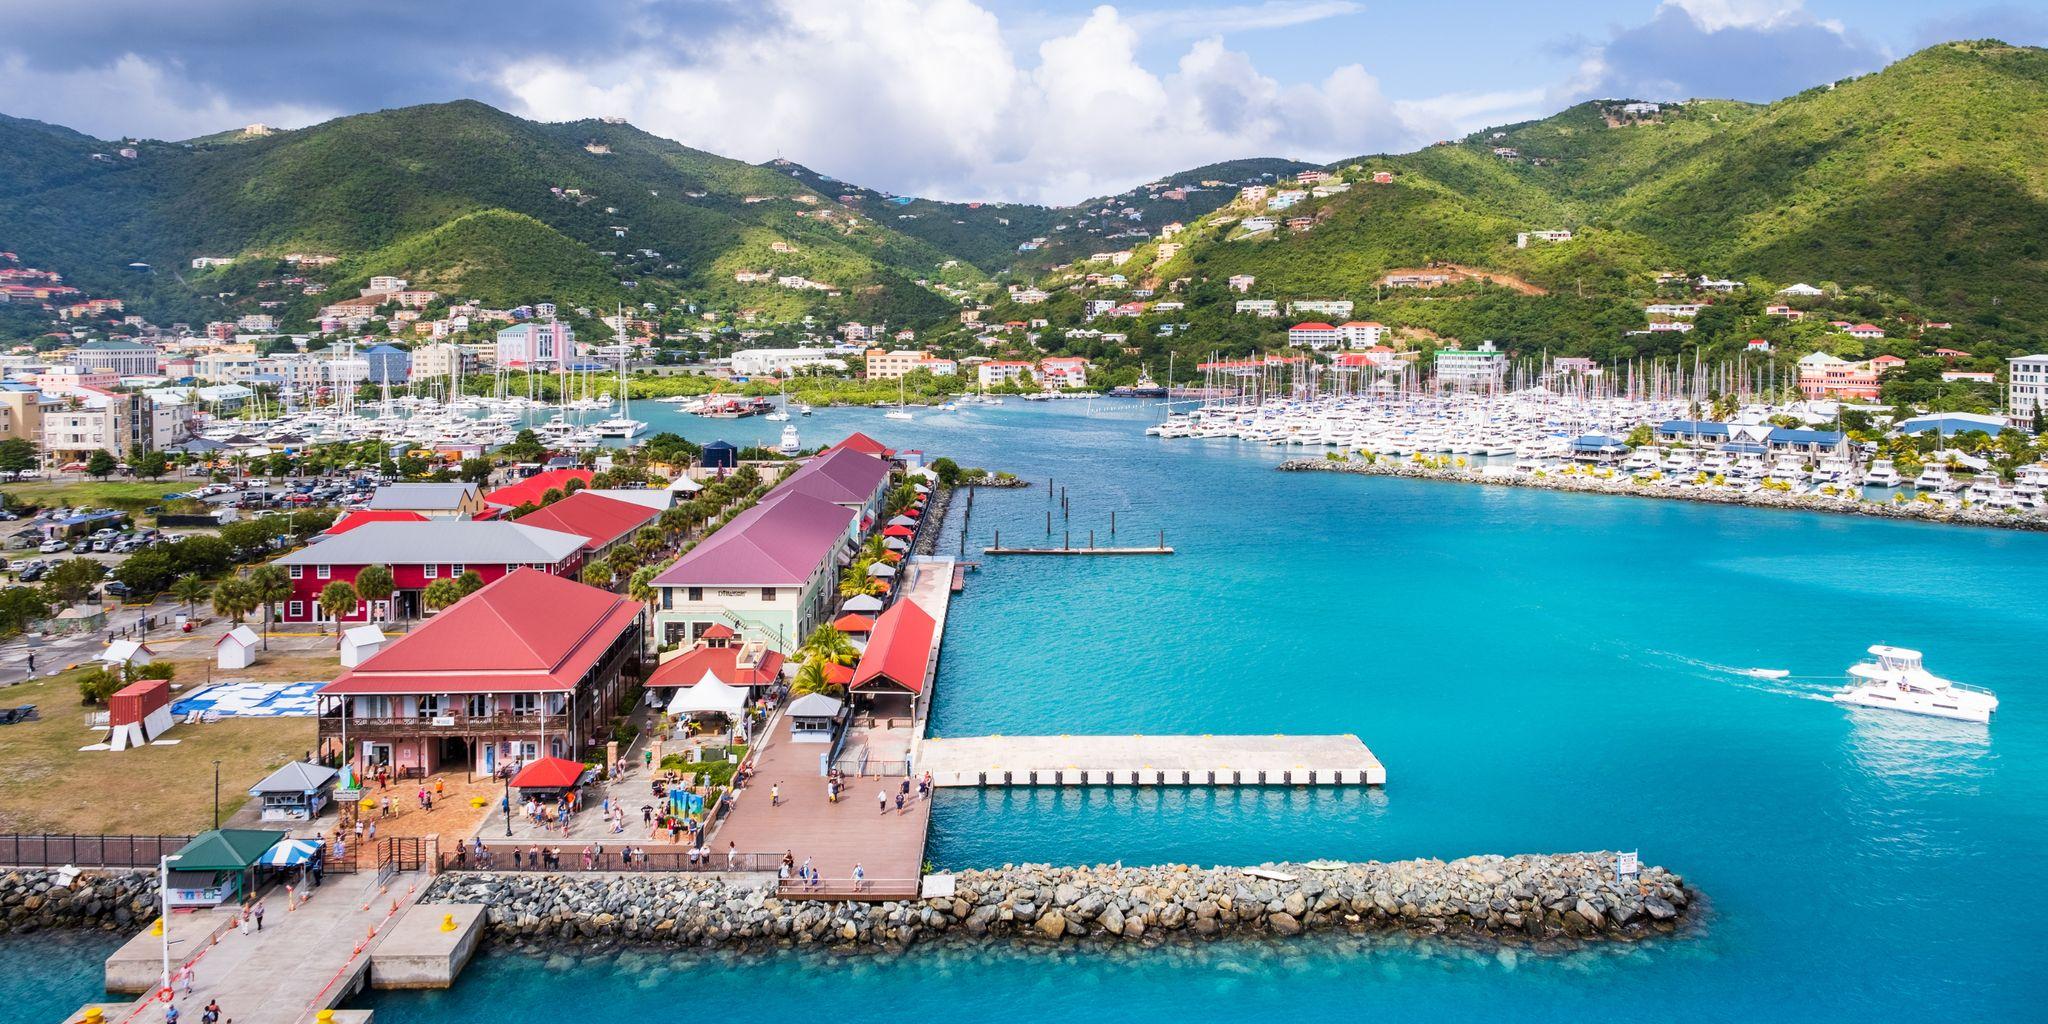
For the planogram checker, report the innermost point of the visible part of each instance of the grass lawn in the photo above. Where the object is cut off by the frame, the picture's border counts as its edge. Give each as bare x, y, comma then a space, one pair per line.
48, 785
129, 495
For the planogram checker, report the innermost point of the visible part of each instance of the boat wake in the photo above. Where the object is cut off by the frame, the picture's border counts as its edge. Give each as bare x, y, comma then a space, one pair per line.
1785, 686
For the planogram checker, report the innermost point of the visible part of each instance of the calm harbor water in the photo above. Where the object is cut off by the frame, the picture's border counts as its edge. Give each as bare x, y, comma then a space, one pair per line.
1539, 672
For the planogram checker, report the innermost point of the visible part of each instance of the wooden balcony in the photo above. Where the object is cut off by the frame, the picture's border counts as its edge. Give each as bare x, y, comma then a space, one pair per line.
444, 725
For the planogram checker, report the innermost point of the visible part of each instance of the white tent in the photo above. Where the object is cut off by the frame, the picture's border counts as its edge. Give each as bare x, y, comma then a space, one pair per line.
882, 569
902, 521
709, 695
127, 652
237, 649
359, 644
863, 603
895, 544
685, 485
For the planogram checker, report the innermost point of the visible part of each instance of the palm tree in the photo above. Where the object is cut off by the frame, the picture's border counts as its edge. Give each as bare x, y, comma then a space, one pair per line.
339, 599
827, 643
811, 679
855, 582
269, 584
234, 597
375, 583
441, 593
190, 589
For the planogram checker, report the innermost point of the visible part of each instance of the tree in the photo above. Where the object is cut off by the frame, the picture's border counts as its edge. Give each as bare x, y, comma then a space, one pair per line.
20, 607
339, 599
97, 684
471, 582
100, 463
1640, 436
441, 593
17, 454
269, 584
947, 470
811, 679
855, 581
72, 580
476, 471
151, 464
827, 643
376, 583
190, 590
597, 574
234, 598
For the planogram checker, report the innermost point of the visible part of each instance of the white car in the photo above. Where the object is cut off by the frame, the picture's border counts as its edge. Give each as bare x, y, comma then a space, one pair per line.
51, 547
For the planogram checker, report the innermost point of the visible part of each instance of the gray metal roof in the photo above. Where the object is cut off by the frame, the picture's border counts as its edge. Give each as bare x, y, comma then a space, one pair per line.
437, 542
418, 496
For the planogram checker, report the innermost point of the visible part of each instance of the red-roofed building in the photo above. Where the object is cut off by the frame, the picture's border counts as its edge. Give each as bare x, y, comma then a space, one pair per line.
1951, 353
530, 666
1868, 332
863, 444
605, 522
1314, 334
365, 516
899, 654
529, 490
752, 665
853, 623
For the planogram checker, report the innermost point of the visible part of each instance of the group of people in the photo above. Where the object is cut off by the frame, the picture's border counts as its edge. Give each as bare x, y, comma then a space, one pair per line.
808, 875
903, 798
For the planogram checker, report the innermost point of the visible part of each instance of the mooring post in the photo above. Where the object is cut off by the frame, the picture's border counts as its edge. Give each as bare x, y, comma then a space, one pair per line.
1162, 540
1091, 540
1048, 522
1112, 522
1067, 540
999, 540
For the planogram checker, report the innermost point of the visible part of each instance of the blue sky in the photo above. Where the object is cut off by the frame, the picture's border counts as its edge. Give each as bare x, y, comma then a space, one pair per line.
1053, 100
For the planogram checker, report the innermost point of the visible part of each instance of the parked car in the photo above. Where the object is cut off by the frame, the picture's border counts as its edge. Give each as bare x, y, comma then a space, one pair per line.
33, 571
83, 547
116, 588
51, 547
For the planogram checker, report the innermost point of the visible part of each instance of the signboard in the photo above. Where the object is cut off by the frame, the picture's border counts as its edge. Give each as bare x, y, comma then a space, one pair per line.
1626, 865
444, 720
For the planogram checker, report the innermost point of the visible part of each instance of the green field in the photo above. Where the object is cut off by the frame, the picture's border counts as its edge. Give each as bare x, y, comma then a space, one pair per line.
133, 496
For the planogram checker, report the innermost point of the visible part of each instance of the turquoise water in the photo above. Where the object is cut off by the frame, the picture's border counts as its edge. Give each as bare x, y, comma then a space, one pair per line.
1538, 671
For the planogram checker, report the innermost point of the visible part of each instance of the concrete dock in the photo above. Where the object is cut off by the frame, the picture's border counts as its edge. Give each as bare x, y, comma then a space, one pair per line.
1151, 761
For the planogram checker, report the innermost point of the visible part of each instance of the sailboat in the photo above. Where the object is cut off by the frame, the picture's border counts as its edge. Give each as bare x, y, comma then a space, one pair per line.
781, 415
623, 425
898, 413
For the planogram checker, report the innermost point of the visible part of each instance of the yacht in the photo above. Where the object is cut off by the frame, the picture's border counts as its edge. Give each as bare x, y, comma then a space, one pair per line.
1882, 474
790, 445
623, 425
1895, 681
1934, 477
898, 413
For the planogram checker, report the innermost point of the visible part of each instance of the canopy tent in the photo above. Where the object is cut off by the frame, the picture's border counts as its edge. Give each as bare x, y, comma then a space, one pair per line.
920, 488
297, 777
898, 531
895, 544
710, 694
861, 603
881, 569
288, 853
903, 521
853, 624
549, 773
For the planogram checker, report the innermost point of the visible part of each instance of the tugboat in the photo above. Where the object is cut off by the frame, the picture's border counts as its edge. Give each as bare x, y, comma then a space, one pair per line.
1146, 387
1897, 682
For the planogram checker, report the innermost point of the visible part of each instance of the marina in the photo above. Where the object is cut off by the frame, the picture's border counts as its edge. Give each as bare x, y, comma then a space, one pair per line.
1152, 761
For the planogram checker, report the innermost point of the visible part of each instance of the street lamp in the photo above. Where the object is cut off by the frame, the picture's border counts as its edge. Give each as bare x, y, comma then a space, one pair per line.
506, 806
216, 792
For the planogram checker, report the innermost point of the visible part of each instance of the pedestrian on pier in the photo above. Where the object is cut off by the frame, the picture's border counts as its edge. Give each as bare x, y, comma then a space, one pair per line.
515, 858
211, 1015
775, 795
185, 979
899, 795
860, 877
31, 663
732, 855
882, 801
257, 910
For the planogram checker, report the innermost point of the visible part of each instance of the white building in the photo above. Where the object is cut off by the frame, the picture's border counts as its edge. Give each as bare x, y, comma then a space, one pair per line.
1801, 289
1259, 307
1483, 368
536, 343
1361, 334
1522, 239
997, 372
2026, 390
758, 362
1242, 283
1314, 334
1319, 307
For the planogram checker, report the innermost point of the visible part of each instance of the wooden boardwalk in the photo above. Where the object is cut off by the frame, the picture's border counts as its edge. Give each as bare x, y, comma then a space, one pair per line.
1151, 761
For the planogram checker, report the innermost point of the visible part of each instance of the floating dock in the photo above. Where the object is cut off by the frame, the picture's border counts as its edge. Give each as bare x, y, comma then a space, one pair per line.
1272, 760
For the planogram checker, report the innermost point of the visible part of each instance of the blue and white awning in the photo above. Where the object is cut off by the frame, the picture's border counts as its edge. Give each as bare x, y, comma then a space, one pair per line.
288, 853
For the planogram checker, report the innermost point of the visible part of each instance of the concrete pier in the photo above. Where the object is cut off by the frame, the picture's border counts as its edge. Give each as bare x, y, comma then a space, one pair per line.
1151, 761
427, 947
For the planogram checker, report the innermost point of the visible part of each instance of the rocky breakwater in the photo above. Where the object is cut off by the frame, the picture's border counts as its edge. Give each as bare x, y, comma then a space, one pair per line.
1916, 511
36, 899
1531, 898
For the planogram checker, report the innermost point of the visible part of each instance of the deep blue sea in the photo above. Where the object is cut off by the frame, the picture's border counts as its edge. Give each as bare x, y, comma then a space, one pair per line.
1538, 671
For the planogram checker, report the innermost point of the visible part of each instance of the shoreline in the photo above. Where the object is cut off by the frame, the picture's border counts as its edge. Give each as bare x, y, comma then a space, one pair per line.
1526, 899
1920, 512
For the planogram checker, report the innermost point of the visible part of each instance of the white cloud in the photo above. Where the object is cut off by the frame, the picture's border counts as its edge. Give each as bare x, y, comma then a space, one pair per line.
1755, 50
1192, 22
927, 97
112, 100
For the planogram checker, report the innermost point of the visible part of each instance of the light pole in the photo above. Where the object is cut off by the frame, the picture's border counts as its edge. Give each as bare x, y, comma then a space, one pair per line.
216, 792
506, 806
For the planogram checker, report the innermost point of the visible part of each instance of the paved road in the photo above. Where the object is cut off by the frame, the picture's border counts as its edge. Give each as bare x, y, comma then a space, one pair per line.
53, 653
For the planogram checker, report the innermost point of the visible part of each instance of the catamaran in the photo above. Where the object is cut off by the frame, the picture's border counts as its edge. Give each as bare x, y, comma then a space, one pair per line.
1897, 682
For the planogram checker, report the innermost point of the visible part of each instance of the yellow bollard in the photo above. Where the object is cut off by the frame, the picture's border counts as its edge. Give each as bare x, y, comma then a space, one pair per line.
94, 1015
157, 929
447, 922
324, 1017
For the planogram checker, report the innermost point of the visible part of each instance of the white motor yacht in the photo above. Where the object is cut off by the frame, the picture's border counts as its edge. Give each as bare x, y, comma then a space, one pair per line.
1934, 477
1882, 474
790, 444
1897, 682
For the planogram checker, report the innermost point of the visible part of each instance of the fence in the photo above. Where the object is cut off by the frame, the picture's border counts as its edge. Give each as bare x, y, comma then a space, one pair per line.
47, 851
403, 853
521, 857
848, 889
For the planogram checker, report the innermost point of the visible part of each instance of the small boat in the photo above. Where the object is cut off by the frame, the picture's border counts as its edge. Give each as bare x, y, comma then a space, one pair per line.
898, 413
1766, 673
1897, 682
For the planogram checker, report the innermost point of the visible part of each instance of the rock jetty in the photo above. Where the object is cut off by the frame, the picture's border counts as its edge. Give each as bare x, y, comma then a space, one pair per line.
36, 899
1914, 511
1529, 898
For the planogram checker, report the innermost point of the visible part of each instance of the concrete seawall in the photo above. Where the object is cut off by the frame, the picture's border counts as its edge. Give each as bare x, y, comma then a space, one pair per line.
1921, 512
33, 899
1529, 898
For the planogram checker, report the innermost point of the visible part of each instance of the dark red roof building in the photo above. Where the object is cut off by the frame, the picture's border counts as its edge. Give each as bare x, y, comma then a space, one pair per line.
899, 652
530, 666
529, 490
605, 522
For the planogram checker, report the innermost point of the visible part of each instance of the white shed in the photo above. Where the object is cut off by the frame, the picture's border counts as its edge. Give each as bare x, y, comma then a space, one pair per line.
237, 649
127, 652
359, 644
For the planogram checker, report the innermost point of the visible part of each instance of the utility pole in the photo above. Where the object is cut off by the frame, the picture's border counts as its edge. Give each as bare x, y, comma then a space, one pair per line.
216, 792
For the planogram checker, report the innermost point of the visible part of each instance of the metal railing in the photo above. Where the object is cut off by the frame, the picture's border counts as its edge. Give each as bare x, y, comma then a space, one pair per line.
332, 723
46, 851
559, 858
848, 889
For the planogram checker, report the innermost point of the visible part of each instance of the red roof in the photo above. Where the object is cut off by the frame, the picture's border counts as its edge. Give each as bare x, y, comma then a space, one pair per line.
865, 445
549, 773
898, 650
837, 674
529, 490
718, 631
364, 516
1312, 325
898, 531
602, 520
526, 632
852, 623
688, 668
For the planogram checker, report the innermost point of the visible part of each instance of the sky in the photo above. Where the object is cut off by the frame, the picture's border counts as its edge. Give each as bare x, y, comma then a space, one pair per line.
1053, 101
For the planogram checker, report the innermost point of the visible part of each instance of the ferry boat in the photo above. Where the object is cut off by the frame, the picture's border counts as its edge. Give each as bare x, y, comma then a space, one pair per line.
1895, 681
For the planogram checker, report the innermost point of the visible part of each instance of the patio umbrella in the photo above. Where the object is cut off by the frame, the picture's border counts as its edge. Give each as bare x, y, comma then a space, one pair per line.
881, 569
289, 852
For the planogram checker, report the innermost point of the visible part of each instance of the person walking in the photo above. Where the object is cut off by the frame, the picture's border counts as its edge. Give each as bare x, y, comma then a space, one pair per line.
860, 877
257, 910
211, 1015
31, 663
882, 801
732, 855
185, 974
